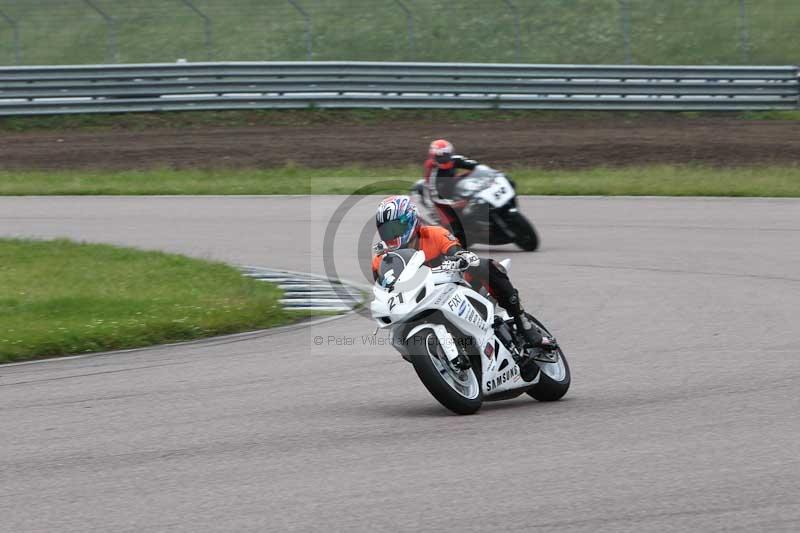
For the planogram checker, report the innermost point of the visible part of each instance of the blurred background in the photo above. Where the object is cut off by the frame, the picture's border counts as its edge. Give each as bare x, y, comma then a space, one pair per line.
37, 32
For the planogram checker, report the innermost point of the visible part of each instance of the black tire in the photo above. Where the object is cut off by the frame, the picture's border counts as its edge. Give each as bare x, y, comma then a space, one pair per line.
457, 229
451, 219
526, 236
549, 389
422, 343
461, 236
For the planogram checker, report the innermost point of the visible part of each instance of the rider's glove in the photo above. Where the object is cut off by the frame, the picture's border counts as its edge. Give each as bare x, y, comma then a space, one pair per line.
462, 260
454, 263
471, 259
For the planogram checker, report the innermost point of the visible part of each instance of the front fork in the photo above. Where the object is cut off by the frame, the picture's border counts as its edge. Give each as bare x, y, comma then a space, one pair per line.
504, 333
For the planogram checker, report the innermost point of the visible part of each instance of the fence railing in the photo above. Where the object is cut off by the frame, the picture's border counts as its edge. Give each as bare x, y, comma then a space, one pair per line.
217, 86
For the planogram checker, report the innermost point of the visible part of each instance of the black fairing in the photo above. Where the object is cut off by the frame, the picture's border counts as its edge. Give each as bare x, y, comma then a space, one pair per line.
482, 223
486, 224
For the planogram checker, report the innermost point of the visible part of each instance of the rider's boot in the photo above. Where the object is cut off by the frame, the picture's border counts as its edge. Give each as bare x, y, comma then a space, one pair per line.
535, 346
530, 335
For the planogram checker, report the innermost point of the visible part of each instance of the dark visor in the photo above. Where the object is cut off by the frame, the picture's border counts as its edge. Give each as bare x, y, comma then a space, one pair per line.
392, 229
443, 158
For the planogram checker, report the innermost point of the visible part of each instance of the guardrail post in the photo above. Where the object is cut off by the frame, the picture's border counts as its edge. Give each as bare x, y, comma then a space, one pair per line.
15, 29
410, 22
625, 9
517, 33
744, 34
112, 51
309, 35
206, 28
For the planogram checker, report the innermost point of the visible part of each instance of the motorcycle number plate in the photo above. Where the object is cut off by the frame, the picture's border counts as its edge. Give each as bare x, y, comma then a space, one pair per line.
499, 193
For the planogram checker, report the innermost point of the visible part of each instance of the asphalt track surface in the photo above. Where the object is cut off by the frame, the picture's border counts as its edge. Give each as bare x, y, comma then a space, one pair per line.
680, 318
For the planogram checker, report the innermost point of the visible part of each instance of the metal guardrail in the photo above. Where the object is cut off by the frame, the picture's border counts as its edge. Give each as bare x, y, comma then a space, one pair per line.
216, 86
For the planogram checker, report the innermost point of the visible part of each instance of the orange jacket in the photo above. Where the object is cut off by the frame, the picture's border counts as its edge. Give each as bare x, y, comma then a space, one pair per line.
435, 241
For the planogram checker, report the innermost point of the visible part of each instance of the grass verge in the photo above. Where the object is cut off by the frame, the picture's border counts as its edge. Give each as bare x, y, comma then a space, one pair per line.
567, 31
60, 297
636, 181
328, 117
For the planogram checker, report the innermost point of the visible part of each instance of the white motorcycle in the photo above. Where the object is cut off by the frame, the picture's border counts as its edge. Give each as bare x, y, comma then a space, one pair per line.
464, 349
483, 210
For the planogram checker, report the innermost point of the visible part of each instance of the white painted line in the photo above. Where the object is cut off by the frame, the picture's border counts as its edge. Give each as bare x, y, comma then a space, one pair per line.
337, 294
314, 301
309, 292
329, 295
315, 286
318, 308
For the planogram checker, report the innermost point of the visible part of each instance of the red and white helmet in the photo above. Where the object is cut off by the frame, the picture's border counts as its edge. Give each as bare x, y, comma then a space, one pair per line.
441, 151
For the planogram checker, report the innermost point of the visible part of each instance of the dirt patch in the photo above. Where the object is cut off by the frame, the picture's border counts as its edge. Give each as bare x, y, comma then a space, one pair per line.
571, 143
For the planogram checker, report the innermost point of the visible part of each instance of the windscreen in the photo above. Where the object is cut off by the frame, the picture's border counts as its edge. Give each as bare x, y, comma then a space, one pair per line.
392, 264
466, 187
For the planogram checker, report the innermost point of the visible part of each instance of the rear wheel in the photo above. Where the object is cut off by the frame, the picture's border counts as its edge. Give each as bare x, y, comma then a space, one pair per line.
457, 389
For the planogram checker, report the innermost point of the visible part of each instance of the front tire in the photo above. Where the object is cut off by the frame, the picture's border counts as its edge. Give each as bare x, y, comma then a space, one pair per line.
525, 234
554, 378
457, 229
457, 390
553, 381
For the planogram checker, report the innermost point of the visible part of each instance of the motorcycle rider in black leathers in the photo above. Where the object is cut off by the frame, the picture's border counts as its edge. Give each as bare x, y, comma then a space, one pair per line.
442, 168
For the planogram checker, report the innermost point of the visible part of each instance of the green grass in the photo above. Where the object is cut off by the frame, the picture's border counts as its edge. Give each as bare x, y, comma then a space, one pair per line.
655, 180
61, 297
665, 180
552, 31
332, 117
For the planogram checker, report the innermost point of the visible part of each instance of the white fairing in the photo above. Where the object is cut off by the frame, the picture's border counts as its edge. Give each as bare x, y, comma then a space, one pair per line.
483, 171
419, 288
483, 183
499, 193
488, 185
446, 340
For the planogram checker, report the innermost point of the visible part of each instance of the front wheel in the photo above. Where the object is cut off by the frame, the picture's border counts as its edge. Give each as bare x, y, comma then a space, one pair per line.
525, 235
554, 377
457, 389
